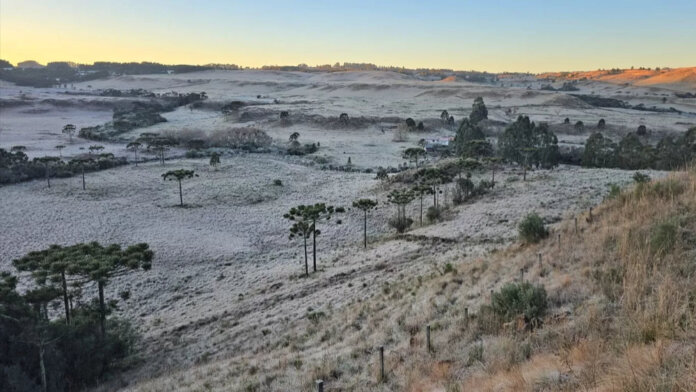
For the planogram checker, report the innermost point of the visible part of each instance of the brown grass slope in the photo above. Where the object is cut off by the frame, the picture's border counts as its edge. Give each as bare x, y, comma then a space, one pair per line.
622, 313
678, 78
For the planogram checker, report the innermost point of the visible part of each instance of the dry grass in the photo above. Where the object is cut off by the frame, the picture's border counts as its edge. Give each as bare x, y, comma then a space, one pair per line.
622, 304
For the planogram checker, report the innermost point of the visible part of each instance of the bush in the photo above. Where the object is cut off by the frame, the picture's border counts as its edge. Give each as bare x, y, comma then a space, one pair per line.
614, 191
433, 214
532, 229
520, 299
664, 237
400, 224
641, 178
277, 182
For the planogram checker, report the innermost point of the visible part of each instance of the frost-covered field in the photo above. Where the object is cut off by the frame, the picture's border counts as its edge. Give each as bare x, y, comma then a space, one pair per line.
226, 279
226, 260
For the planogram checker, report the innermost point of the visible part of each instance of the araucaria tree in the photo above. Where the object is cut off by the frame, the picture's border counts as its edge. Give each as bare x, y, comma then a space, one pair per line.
313, 214
48, 161
421, 190
179, 175
365, 205
401, 198
134, 146
69, 129
414, 154
301, 228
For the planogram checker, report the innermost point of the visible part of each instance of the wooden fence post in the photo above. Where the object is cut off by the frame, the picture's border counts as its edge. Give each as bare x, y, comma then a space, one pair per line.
576, 225
427, 337
320, 385
466, 318
381, 363
540, 261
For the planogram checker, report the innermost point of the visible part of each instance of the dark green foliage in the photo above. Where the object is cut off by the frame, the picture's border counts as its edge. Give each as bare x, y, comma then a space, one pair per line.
520, 299
401, 198
478, 111
642, 130
277, 182
601, 124
633, 155
527, 144
16, 166
532, 229
614, 191
664, 236
414, 154
641, 178
305, 219
434, 214
179, 175
599, 151
76, 351
471, 142
410, 123
579, 125
215, 160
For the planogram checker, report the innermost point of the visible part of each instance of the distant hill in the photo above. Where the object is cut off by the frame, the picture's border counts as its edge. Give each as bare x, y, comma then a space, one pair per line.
30, 64
675, 78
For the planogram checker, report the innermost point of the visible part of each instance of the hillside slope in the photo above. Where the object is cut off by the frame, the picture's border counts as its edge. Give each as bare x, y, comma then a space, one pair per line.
621, 316
674, 78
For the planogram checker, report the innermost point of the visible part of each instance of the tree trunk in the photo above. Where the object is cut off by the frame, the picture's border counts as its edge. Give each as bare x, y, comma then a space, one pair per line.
48, 176
65, 297
83, 177
365, 230
44, 385
314, 245
181, 196
102, 310
421, 210
135, 152
306, 263
493, 177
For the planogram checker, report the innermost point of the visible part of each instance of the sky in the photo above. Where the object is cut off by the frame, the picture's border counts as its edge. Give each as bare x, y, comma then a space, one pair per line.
484, 35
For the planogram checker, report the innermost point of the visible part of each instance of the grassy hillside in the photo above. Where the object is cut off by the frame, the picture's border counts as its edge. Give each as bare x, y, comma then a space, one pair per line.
620, 316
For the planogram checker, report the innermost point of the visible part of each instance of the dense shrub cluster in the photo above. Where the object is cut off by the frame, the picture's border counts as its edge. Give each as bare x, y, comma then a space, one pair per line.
16, 166
632, 154
532, 228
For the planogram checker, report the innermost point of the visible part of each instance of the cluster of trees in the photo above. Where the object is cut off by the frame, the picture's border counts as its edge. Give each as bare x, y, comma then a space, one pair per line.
77, 346
527, 144
305, 219
297, 148
62, 73
15, 166
631, 153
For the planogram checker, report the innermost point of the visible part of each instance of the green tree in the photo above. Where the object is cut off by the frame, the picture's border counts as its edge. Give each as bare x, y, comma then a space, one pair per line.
302, 228
365, 205
135, 147
95, 148
413, 154
478, 111
69, 129
60, 148
314, 214
401, 198
532, 228
599, 151
215, 160
81, 163
100, 264
633, 155
179, 175
470, 140
48, 162
421, 190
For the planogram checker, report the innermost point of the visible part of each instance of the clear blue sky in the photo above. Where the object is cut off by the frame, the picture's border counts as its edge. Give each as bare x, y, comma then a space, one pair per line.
492, 35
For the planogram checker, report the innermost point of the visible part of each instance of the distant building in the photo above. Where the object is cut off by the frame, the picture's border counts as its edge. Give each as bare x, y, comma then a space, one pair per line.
438, 143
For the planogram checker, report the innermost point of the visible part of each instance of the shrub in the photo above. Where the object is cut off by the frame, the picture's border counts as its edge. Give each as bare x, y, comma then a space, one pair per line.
520, 299
614, 191
532, 229
433, 214
641, 178
277, 182
400, 224
664, 237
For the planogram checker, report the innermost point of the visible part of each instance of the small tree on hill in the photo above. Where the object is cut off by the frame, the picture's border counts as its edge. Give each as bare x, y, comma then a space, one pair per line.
179, 175
100, 264
313, 214
444, 117
413, 154
215, 160
294, 136
601, 124
579, 125
81, 163
69, 129
301, 228
48, 162
401, 198
532, 228
18, 148
365, 205
642, 130
421, 190
60, 148
134, 146
478, 111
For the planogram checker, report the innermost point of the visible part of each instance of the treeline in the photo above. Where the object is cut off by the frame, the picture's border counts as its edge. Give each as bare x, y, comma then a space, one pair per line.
56, 335
62, 73
630, 153
15, 166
